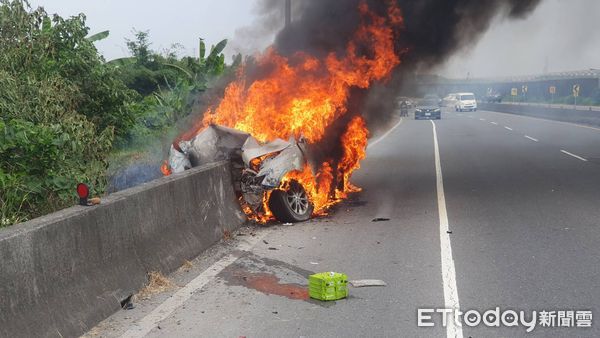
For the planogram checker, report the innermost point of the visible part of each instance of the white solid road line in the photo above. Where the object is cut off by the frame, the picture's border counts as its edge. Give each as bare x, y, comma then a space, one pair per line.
494, 123
371, 144
448, 272
507, 128
573, 155
164, 310
531, 138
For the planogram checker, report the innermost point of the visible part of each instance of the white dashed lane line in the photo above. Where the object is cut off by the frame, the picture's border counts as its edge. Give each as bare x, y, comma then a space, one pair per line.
573, 155
536, 140
531, 138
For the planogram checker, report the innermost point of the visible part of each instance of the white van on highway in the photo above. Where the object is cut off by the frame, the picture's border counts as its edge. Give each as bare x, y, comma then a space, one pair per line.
465, 102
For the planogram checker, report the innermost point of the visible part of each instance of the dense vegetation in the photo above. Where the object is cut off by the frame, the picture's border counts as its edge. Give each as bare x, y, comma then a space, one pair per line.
64, 110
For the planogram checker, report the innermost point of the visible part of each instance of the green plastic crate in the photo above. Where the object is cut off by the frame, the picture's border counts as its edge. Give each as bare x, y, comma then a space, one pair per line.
328, 286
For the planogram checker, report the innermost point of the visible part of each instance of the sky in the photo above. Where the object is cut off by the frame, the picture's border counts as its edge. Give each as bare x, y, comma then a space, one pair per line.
560, 35
168, 22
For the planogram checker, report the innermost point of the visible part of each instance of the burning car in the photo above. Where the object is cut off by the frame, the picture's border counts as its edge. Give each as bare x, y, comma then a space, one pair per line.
318, 100
258, 169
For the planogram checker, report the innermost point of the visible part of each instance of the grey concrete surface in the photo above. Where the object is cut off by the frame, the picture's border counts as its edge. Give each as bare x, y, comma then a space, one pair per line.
526, 216
525, 233
63, 273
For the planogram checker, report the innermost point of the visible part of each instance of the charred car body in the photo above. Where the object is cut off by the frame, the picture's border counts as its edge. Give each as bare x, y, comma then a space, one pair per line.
258, 169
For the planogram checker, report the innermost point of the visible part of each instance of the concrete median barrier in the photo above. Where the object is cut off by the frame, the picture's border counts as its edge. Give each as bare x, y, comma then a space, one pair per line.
63, 273
589, 117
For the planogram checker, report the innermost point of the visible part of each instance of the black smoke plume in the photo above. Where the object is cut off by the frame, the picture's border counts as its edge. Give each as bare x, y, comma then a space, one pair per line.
434, 30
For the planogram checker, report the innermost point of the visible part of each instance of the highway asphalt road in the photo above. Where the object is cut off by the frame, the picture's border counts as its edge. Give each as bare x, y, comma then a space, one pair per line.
520, 231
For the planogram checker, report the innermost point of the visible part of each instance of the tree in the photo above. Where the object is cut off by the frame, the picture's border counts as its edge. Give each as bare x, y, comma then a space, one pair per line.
144, 71
60, 107
140, 48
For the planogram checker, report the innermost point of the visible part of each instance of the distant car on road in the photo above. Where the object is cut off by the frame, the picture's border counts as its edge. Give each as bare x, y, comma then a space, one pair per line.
428, 108
465, 102
449, 100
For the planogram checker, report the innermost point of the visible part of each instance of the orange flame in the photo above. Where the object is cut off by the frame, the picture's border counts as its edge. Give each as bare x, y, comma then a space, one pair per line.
354, 142
303, 95
165, 169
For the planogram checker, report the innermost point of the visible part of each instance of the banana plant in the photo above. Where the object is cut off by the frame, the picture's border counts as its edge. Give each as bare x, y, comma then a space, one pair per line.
98, 36
199, 71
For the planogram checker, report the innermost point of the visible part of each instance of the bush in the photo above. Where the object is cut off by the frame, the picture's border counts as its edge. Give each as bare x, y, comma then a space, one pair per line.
60, 107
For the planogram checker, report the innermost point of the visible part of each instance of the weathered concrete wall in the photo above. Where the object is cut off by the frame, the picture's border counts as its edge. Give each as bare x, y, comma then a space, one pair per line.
567, 115
63, 273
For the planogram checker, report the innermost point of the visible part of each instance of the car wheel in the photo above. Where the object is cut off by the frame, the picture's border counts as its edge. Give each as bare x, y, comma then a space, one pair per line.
292, 204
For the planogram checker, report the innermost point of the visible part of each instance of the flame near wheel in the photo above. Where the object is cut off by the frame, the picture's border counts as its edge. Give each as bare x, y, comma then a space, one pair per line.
291, 204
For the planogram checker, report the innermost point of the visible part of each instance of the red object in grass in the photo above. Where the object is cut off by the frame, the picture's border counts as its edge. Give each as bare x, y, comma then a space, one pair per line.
83, 191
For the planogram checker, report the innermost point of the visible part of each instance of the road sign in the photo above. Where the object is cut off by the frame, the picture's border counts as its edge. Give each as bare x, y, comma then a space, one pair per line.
524, 89
514, 92
552, 89
576, 90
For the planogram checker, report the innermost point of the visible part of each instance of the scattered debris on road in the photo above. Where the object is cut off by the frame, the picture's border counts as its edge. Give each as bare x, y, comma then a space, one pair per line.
157, 283
360, 283
449, 232
314, 263
265, 242
186, 266
380, 219
272, 248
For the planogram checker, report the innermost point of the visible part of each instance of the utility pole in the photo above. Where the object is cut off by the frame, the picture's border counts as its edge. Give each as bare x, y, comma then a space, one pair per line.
288, 12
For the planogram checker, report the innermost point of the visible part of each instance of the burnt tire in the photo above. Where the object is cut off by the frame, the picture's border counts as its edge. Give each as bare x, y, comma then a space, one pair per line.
291, 205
